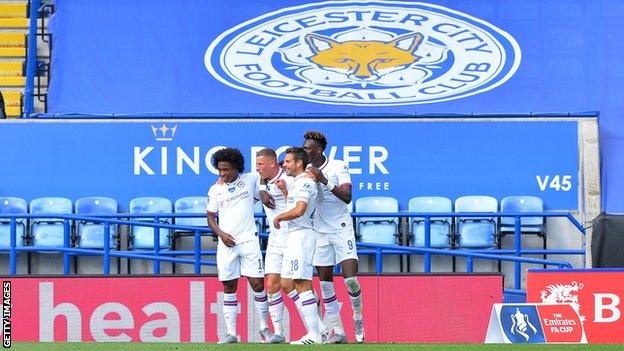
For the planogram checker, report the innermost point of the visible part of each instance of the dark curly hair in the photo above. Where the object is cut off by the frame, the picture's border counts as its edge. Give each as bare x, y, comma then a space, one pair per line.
317, 136
230, 155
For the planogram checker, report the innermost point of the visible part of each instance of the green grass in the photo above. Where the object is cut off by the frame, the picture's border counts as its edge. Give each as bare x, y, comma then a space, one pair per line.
252, 347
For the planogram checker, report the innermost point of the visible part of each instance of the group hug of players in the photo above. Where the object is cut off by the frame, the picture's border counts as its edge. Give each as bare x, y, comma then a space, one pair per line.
306, 203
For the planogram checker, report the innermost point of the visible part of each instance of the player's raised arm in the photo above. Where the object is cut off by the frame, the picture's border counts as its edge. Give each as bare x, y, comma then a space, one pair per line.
264, 196
342, 190
282, 185
294, 213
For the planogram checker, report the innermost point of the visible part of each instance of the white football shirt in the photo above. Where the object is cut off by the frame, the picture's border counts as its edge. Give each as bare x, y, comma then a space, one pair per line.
304, 189
278, 236
332, 214
233, 202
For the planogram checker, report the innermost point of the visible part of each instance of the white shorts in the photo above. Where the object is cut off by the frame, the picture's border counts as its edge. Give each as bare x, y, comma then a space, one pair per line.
243, 259
274, 259
299, 254
333, 248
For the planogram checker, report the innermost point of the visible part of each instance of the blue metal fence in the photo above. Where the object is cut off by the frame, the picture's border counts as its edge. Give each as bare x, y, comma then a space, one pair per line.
492, 254
31, 59
378, 250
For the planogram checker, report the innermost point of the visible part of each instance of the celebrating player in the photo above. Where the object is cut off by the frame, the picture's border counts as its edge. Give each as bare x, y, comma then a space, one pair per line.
300, 240
238, 250
277, 184
335, 236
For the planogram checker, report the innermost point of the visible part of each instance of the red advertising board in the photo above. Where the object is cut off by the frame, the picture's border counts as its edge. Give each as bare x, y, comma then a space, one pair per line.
415, 308
596, 294
436, 309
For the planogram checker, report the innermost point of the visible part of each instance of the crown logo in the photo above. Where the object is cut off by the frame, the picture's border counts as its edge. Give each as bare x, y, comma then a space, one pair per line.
164, 133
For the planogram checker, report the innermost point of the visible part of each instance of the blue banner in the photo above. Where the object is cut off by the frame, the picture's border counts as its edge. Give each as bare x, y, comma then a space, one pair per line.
402, 159
241, 57
294, 57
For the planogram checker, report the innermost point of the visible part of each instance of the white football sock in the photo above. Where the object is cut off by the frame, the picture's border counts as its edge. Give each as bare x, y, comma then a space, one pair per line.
230, 311
332, 307
262, 307
276, 310
308, 310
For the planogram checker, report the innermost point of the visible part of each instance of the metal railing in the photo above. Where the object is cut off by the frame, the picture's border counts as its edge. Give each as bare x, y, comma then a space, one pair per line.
157, 255
31, 58
492, 254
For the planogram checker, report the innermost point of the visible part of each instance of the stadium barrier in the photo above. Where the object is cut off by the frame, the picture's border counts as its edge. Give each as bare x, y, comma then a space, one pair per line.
493, 254
405, 308
378, 250
31, 58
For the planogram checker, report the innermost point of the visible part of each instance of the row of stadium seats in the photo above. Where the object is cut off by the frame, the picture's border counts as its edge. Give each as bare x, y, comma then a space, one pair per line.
462, 232
49, 232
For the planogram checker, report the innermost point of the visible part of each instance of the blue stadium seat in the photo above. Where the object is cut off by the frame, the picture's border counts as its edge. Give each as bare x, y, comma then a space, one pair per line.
528, 225
90, 235
143, 237
476, 232
440, 226
191, 204
377, 230
12, 205
522, 204
49, 231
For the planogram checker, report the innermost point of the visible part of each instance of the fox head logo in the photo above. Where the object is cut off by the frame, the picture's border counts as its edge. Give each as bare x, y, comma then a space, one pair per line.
326, 52
364, 61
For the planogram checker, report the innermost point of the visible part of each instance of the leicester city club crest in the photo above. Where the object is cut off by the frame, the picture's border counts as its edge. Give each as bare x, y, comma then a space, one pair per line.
366, 53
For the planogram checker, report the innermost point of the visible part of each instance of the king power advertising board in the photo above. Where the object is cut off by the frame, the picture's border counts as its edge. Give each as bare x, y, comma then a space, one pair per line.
401, 159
